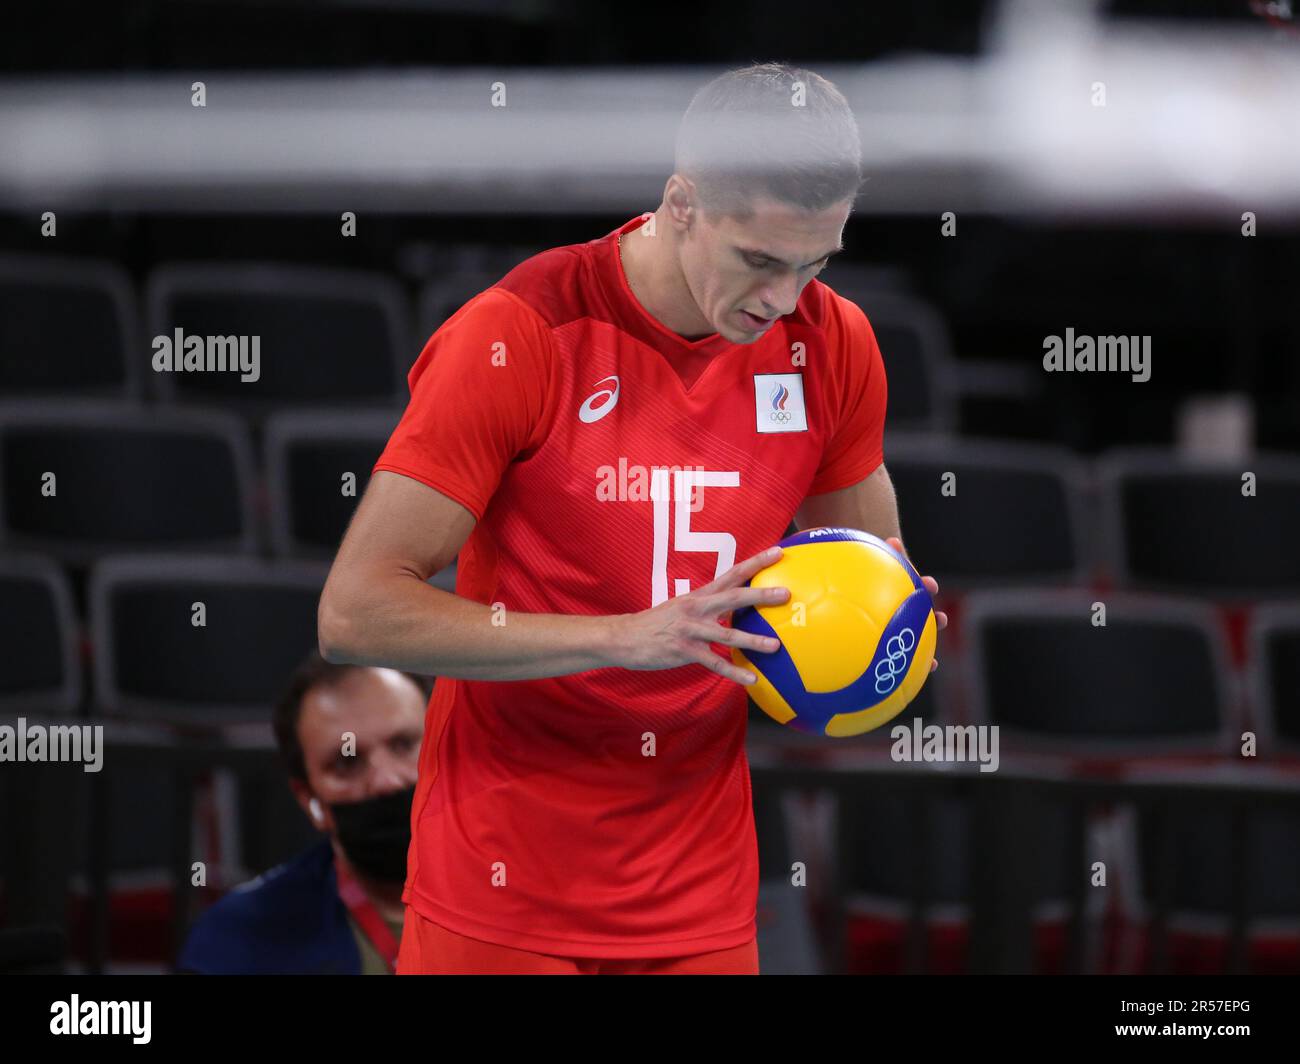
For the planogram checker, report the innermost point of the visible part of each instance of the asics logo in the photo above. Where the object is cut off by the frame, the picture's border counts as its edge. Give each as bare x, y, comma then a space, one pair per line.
600, 403
890, 668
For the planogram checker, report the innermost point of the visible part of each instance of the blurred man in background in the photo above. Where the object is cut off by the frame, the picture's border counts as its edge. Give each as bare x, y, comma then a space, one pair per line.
350, 739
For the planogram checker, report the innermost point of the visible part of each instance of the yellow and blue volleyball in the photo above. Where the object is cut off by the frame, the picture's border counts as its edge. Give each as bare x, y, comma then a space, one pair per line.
857, 633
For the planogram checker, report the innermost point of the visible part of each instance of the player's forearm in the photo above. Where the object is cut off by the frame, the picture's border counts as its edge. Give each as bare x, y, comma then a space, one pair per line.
400, 622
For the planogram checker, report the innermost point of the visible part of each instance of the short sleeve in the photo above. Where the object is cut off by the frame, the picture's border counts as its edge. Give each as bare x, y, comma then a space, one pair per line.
855, 447
478, 399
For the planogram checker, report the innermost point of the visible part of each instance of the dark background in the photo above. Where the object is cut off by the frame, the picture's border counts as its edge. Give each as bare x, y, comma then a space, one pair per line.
1221, 311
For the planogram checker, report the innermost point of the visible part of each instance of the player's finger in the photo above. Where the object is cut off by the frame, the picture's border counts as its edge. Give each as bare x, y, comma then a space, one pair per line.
931, 584
733, 637
941, 619
742, 571
723, 667
723, 602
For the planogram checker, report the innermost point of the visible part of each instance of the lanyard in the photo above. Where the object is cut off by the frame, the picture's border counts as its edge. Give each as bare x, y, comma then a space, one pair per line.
367, 917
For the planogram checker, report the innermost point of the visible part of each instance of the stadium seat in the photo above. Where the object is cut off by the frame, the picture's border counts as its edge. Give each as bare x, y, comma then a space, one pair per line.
860, 281
918, 361
786, 942
307, 456
1186, 526
1152, 681
125, 478
67, 328
1200, 847
423, 260
40, 669
32, 950
877, 844
886, 858
442, 297
40, 682
153, 663
1010, 513
326, 336
163, 803
1275, 677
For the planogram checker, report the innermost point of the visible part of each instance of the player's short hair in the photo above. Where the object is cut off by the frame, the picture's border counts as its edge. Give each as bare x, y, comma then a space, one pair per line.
314, 671
769, 129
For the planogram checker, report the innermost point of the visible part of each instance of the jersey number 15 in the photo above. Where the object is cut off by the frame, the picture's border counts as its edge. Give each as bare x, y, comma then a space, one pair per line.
674, 489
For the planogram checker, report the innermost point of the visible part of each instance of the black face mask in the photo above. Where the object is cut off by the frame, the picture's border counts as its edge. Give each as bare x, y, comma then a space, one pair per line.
375, 834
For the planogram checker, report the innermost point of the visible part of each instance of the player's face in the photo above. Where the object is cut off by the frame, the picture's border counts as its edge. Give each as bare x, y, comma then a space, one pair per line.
746, 273
385, 712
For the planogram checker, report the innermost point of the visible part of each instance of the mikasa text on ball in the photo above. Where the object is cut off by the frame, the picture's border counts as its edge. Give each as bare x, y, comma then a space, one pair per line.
857, 633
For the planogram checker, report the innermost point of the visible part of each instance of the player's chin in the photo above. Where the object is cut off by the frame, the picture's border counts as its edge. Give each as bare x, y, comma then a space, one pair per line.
737, 335
745, 328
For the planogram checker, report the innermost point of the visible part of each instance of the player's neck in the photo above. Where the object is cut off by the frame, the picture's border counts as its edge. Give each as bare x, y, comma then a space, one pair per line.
654, 274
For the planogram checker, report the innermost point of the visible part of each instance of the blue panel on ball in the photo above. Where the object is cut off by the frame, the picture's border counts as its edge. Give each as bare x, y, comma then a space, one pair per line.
850, 535
748, 619
890, 663
898, 643
828, 535
777, 666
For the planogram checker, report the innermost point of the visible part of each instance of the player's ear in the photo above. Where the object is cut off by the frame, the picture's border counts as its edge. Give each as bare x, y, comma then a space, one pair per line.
680, 198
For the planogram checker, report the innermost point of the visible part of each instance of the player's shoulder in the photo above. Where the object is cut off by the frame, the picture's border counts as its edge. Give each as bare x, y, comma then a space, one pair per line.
842, 321
828, 309
555, 284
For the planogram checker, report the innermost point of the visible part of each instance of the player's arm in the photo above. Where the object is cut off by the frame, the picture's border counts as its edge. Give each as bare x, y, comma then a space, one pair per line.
851, 487
378, 609
869, 505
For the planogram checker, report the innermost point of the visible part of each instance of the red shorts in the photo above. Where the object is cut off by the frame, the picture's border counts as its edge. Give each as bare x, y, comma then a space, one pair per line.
430, 949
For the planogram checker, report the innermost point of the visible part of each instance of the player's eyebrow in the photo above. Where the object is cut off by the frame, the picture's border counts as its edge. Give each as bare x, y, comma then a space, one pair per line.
766, 255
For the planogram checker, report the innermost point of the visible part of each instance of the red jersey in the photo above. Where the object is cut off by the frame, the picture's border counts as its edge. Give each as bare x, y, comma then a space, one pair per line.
611, 463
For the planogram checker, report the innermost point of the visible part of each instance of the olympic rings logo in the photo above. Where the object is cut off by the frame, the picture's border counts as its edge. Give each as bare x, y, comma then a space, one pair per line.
780, 416
890, 668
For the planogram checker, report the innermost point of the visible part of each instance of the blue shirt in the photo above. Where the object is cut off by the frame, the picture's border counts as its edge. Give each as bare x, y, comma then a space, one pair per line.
290, 921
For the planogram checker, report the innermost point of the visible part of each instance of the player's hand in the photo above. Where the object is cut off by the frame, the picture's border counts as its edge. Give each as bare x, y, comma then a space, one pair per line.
679, 631
931, 585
